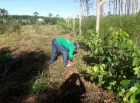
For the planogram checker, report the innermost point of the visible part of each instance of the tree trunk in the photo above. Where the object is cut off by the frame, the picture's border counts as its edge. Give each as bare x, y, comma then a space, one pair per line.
128, 6
115, 8
109, 8
80, 17
102, 10
137, 6
73, 24
87, 7
119, 7
122, 7
133, 7
98, 5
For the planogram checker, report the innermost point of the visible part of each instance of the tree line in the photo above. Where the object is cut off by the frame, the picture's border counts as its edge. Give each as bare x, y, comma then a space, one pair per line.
4, 13
114, 7
104, 8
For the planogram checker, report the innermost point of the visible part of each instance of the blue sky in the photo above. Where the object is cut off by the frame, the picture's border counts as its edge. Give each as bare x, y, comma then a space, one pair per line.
63, 8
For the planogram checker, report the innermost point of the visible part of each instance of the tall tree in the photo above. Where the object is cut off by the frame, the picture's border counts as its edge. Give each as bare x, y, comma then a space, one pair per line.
80, 16
116, 6
109, 8
102, 10
87, 7
122, 7
137, 5
134, 7
35, 14
119, 7
58, 16
3, 12
98, 5
50, 15
128, 6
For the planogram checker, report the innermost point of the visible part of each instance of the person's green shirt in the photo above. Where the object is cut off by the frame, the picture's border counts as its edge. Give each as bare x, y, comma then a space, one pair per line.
68, 44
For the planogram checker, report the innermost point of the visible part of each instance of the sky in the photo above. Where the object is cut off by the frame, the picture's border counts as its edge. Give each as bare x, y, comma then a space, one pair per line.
63, 8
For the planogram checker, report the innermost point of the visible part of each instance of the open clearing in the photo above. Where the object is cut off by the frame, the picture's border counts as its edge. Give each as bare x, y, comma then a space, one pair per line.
64, 85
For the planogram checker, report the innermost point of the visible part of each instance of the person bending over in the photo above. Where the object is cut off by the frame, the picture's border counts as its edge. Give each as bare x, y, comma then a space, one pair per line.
65, 47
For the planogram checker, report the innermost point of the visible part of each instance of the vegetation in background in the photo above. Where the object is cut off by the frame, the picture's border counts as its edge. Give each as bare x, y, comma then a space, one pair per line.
65, 27
129, 23
12, 23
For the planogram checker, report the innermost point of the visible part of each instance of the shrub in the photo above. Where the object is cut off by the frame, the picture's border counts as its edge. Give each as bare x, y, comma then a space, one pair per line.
113, 58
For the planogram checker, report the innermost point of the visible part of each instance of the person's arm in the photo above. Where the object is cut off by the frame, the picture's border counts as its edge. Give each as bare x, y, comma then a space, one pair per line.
71, 50
70, 55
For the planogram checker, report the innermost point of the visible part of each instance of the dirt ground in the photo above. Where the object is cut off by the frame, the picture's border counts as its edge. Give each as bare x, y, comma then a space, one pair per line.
65, 85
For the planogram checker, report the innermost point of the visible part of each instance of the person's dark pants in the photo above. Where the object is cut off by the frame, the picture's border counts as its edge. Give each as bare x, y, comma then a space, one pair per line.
55, 48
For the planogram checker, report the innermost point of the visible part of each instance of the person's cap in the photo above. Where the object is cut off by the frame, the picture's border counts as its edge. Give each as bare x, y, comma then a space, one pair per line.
77, 45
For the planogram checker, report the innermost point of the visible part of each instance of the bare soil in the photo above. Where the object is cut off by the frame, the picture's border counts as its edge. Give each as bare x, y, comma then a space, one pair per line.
65, 85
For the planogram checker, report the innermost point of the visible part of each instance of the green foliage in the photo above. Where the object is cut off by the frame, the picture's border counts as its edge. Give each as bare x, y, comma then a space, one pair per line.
37, 83
53, 21
97, 71
63, 25
13, 22
88, 23
13, 27
2, 27
129, 23
32, 87
88, 40
9, 27
113, 58
132, 87
5, 58
133, 91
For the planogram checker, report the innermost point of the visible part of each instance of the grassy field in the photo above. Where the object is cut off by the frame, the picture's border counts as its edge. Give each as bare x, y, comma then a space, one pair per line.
35, 81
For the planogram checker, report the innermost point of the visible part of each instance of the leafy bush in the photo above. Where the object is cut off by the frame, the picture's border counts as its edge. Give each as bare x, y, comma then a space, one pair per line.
13, 27
65, 27
88, 23
2, 27
112, 59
